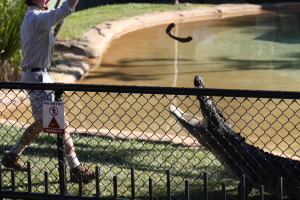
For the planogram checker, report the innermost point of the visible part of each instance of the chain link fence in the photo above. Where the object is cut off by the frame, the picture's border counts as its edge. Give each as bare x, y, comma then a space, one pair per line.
120, 128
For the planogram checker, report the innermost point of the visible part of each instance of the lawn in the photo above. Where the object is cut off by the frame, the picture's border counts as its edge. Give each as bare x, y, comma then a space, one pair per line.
81, 21
117, 158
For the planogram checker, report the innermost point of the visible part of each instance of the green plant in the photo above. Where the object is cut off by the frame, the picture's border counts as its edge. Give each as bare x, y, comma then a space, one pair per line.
10, 69
11, 15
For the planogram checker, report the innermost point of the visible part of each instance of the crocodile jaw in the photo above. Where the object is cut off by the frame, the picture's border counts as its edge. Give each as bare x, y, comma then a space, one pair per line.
193, 124
185, 118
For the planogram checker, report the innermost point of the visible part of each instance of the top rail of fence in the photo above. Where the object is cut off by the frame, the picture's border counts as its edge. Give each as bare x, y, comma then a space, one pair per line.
151, 90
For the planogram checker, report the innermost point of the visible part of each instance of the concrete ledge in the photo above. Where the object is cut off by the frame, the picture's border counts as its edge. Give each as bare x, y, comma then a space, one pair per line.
97, 39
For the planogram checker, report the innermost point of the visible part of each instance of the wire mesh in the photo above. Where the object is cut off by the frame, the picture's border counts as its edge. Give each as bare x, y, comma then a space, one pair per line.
118, 131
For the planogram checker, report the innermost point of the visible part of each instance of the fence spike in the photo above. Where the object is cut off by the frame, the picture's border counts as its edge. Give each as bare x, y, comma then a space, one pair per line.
80, 184
132, 184
46, 182
280, 188
262, 192
168, 185
1, 178
205, 185
62, 178
29, 177
243, 192
224, 191
187, 192
13, 180
115, 186
97, 182
150, 189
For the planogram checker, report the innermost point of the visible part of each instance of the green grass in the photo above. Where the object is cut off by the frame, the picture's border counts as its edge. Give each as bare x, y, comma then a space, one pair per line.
11, 15
81, 21
116, 158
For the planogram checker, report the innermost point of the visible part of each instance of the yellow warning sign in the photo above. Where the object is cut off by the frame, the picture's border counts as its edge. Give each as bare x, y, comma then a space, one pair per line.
53, 123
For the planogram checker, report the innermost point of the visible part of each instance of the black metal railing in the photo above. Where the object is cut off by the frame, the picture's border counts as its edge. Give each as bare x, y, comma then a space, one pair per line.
12, 194
121, 128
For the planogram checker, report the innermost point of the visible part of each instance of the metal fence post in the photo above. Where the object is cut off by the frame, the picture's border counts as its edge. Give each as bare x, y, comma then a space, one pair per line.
61, 151
168, 185
205, 185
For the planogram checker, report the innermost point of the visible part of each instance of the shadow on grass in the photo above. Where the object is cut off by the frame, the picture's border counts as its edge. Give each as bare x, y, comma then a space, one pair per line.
121, 155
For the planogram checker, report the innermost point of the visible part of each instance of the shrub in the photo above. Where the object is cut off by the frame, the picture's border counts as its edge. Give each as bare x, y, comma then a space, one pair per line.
11, 15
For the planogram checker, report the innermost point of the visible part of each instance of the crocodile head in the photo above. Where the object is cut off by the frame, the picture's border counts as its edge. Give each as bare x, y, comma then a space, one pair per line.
212, 131
218, 136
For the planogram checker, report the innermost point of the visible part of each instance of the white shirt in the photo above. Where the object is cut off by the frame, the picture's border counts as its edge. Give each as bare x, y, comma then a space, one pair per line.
37, 35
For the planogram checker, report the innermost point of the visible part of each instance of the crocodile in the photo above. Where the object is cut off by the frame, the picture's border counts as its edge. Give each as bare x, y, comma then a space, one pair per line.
242, 159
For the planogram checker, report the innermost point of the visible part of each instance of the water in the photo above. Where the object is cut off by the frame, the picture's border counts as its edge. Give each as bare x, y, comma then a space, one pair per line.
249, 52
